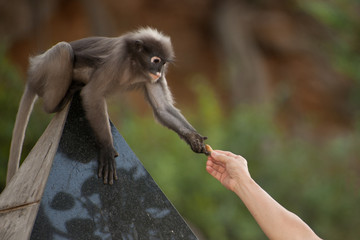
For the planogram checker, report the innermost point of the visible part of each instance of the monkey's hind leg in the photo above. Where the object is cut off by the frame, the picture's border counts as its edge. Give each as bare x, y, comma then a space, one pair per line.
51, 72
49, 76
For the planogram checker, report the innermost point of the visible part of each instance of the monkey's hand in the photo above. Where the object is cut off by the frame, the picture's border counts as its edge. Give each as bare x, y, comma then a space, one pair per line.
107, 166
196, 142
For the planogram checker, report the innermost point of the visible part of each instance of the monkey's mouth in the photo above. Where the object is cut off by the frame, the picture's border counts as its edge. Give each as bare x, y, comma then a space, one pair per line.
155, 77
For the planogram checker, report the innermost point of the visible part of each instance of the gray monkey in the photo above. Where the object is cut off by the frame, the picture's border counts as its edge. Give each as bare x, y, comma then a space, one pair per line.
96, 66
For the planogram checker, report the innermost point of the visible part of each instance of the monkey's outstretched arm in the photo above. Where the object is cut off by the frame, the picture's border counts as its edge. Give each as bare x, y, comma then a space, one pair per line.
160, 99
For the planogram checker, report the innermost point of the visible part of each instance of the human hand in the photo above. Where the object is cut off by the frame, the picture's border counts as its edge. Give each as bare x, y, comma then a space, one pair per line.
230, 169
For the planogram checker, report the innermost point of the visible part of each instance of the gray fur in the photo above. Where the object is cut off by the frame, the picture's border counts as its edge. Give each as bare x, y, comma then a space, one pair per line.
97, 66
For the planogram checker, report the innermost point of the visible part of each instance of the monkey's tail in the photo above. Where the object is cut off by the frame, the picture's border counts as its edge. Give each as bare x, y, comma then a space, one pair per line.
22, 119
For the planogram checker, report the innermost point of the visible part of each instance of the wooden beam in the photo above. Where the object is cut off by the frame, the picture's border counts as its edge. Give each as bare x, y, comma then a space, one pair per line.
19, 202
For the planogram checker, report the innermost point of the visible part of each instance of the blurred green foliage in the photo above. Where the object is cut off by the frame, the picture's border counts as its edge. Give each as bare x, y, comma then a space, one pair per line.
342, 19
318, 181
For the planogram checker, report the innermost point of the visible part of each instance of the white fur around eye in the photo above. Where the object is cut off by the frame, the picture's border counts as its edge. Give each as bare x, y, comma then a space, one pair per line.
155, 59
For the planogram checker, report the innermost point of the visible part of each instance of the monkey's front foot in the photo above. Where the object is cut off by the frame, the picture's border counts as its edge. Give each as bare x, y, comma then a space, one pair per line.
107, 166
196, 142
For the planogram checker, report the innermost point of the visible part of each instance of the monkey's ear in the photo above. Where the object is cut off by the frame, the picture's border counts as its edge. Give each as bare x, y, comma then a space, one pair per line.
139, 45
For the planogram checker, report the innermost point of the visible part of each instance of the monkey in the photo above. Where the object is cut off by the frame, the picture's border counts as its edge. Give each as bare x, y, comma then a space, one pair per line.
97, 66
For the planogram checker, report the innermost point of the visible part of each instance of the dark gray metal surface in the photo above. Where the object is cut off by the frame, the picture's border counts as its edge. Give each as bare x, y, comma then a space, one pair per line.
77, 205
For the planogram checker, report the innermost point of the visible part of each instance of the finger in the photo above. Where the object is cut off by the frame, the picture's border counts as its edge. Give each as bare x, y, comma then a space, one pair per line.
114, 167
209, 169
100, 169
231, 155
213, 172
227, 153
217, 166
106, 174
111, 175
219, 157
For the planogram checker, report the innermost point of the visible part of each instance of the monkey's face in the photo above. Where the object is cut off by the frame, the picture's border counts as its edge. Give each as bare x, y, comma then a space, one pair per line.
153, 65
151, 57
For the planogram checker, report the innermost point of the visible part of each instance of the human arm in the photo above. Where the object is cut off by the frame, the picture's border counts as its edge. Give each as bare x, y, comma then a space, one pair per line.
276, 222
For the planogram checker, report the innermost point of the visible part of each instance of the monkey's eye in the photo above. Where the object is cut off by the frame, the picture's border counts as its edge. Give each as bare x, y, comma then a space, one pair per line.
155, 60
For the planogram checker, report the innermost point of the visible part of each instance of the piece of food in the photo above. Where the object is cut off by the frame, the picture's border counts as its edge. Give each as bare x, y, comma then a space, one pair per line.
208, 148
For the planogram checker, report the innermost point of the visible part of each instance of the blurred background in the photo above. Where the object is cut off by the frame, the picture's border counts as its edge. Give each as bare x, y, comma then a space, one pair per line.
275, 81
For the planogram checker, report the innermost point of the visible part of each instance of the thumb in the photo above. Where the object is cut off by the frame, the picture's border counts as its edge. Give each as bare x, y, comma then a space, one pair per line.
219, 156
